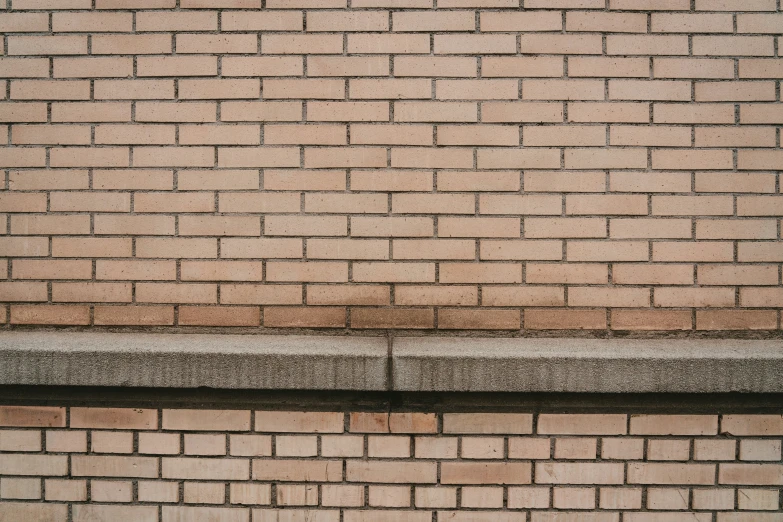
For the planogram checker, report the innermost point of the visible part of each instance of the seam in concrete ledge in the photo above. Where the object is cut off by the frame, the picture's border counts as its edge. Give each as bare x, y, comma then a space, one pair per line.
409, 364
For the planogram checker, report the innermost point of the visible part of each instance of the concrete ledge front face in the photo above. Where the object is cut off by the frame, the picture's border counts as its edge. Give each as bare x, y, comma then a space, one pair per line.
587, 365
194, 360
413, 364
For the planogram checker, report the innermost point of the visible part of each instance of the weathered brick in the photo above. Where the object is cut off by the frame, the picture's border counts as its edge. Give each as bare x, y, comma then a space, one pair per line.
110, 466
485, 473
206, 420
299, 470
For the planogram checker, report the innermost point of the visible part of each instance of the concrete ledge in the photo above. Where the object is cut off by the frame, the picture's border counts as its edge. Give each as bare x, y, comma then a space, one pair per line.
588, 365
426, 364
194, 360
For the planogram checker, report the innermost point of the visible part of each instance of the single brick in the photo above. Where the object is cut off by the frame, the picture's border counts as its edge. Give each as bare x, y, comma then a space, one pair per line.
206, 420
486, 473
674, 425
299, 470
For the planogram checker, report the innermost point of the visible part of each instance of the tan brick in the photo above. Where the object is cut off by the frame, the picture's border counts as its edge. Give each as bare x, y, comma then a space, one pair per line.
59, 489
387, 516
205, 444
485, 473
426, 66
695, 297
435, 497
388, 446
272, 515
644, 473
399, 43
342, 446
658, 449
301, 44
111, 491
392, 318
492, 135
579, 473
413, 423
582, 424
482, 497
687, 251
480, 273
542, 319
741, 425
734, 182
204, 514
665, 90
753, 159
159, 443
608, 112
607, 158
713, 499
562, 89
110, 466
529, 448
528, 497
176, 65
114, 418
20, 440
50, 314
760, 450
573, 498
135, 270
713, 450
205, 469
732, 5
436, 448
622, 449
693, 68
46, 45
158, 491
296, 446
204, 493
270, 421
23, 291
667, 498
751, 474
560, 44
33, 511
252, 494
206, 420
566, 273
24, 22
564, 135
606, 22
520, 423
589, 66
575, 448
523, 21
299, 470
250, 445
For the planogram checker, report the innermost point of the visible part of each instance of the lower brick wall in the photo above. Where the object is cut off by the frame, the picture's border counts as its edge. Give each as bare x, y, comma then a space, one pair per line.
94, 464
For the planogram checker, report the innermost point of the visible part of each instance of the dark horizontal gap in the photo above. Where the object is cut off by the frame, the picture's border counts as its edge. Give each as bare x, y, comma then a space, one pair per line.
672, 403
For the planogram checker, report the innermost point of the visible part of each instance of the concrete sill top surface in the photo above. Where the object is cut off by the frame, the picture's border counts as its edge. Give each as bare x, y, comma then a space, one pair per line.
317, 362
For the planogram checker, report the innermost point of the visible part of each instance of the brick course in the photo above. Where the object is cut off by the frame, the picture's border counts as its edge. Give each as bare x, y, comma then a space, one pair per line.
272, 465
476, 164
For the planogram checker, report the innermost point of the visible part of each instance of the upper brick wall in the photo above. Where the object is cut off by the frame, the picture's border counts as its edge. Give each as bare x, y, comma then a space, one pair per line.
487, 164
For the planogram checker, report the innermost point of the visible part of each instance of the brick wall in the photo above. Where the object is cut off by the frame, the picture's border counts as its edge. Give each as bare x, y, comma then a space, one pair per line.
486, 164
147, 465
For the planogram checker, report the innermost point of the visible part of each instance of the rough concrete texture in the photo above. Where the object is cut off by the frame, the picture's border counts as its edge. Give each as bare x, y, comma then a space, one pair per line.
588, 365
191, 361
418, 363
